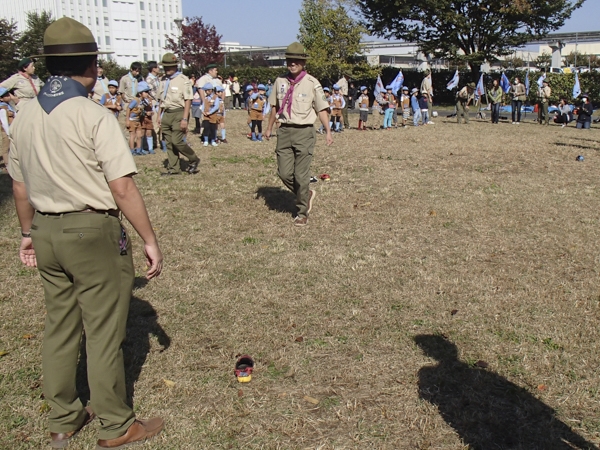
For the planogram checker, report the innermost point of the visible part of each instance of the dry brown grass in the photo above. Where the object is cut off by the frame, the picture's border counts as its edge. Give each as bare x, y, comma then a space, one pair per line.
487, 235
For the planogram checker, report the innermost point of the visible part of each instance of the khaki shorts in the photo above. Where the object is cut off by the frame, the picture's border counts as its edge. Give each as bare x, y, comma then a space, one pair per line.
133, 126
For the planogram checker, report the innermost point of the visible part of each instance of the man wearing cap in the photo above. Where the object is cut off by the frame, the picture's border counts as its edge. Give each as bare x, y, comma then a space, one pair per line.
296, 100
129, 82
101, 86
24, 84
236, 89
427, 88
463, 98
175, 96
544, 99
343, 84
209, 77
71, 180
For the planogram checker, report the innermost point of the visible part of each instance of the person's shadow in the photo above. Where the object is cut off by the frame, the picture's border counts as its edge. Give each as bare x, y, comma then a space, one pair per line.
142, 323
486, 410
277, 199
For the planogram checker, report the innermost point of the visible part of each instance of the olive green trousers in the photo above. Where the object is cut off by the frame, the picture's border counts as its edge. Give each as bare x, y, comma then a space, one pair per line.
170, 127
87, 272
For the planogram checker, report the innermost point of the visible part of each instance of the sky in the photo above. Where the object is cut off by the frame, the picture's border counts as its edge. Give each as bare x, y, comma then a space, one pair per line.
277, 23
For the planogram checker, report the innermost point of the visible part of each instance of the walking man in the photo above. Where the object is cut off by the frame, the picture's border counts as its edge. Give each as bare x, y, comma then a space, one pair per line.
343, 84
175, 96
296, 100
128, 83
427, 88
544, 95
69, 215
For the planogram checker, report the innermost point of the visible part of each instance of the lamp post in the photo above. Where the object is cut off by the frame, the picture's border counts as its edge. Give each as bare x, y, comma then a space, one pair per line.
179, 23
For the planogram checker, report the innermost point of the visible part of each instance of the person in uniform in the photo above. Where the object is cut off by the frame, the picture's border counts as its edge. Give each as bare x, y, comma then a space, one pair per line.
101, 86
211, 76
129, 82
296, 100
343, 84
7, 115
427, 88
71, 180
464, 98
544, 100
175, 96
25, 85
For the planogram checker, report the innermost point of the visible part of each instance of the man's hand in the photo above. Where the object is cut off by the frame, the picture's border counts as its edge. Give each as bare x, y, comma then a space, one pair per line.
183, 125
329, 138
267, 134
154, 259
27, 252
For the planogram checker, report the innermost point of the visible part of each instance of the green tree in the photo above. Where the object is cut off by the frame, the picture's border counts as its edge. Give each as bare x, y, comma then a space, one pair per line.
544, 60
112, 70
471, 30
8, 48
32, 39
332, 39
576, 59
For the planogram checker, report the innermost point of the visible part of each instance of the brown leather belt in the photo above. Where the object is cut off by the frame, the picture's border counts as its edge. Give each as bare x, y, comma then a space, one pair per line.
110, 212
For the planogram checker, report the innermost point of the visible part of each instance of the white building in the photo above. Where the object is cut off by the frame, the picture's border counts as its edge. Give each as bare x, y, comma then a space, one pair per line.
133, 29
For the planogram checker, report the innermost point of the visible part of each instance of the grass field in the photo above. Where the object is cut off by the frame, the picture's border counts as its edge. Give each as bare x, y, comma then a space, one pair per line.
443, 296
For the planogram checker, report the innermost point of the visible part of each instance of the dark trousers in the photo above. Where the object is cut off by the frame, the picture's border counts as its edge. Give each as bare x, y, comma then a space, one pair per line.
516, 110
345, 111
257, 126
209, 131
495, 112
237, 98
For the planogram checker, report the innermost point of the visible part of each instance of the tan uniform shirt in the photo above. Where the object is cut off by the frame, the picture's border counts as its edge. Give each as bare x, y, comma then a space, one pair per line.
179, 90
426, 87
343, 84
126, 87
23, 87
100, 88
206, 78
545, 94
154, 83
308, 100
69, 157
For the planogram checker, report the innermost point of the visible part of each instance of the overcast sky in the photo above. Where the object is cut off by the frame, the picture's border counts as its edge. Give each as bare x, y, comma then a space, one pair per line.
276, 21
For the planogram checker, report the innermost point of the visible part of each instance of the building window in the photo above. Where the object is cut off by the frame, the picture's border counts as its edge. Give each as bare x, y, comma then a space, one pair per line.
145, 56
159, 43
170, 8
158, 25
105, 3
141, 6
107, 40
90, 21
106, 21
143, 23
144, 42
165, 26
97, 21
149, 6
177, 9
150, 22
151, 42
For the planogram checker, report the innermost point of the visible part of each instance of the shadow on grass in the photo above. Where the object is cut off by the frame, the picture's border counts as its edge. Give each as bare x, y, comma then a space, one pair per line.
277, 199
579, 146
487, 410
5, 187
142, 323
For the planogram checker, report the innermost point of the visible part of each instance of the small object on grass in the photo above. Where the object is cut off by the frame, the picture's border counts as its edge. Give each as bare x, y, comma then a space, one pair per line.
542, 387
325, 177
454, 312
314, 180
299, 339
579, 158
3, 353
243, 368
481, 364
312, 400
168, 383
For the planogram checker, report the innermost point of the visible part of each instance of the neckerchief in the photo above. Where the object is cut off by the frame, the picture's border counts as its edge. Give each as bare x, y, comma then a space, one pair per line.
8, 106
31, 83
58, 90
289, 95
133, 84
169, 82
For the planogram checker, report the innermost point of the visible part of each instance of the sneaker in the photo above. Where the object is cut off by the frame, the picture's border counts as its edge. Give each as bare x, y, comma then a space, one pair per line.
514, 123
140, 431
214, 144
193, 167
430, 123
205, 143
518, 123
311, 198
224, 141
563, 125
300, 221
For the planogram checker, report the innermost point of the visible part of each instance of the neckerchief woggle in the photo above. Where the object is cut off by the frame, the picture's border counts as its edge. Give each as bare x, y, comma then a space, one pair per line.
289, 95
58, 90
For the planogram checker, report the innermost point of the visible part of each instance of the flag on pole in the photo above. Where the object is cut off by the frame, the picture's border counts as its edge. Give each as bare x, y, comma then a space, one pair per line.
454, 81
527, 84
379, 88
540, 80
505, 83
480, 90
577, 87
397, 83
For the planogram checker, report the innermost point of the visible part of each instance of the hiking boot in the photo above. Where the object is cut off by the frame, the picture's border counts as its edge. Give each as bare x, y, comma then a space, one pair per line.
140, 431
193, 167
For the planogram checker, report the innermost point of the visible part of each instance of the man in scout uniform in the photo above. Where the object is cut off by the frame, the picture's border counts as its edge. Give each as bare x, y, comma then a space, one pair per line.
463, 98
69, 215
24, 84
295, 101
427, 88
343, 84
7, 115
153, 81
175, 96
129, 82
544, 99
211, 76
101, 86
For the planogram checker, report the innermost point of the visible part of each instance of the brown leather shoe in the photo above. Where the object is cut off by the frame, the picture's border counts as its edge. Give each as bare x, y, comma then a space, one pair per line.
138, 432
61, 440
300, 221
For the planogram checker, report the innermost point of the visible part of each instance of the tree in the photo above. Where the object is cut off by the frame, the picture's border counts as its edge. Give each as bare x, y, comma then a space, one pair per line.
200, 44
8, 48
544, 60
471, 30
331, 38
32, 39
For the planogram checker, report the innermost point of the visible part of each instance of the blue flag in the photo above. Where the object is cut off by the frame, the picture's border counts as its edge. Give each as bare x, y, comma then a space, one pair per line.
505, 83
397, 83
577, 87
480, 90
453, 82
527, 84
379, 87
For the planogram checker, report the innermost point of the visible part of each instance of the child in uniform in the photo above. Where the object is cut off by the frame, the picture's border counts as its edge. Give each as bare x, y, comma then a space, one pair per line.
327, 93
133, 121
337, 104
210, 107
424, 105
391, 108
405, 105
363, 106
149, 108
220, 90
257, 103
416, 108
113, 99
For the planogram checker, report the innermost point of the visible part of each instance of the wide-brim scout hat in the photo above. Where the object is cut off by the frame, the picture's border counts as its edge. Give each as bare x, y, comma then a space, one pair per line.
211, 66
169, 60
296, 51
546, 81
67, 37
471, 85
